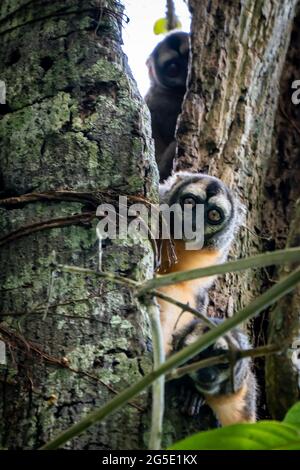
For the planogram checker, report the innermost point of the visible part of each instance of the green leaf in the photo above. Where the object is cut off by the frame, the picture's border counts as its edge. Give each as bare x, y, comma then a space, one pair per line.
161, 26
293, 415
265, 435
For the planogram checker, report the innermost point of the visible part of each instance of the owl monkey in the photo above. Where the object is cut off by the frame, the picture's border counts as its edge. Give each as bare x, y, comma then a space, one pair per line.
168, 68
223, 215
229, 390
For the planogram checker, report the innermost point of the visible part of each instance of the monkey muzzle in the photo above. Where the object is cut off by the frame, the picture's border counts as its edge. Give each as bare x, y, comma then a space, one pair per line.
211, 380
208, 380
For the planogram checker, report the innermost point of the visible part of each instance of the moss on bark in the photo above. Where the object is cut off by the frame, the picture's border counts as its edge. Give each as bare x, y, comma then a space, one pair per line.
73, 120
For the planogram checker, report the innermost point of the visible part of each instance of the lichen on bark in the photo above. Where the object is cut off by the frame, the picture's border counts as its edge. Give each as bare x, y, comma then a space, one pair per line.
228, 127
73, 121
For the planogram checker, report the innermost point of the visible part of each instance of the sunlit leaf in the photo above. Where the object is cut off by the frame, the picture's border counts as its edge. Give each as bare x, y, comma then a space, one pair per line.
293, 415
266, 435
161, 26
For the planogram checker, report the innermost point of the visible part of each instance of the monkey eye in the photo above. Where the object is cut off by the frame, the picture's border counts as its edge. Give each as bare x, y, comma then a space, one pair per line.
215, 216
189, 201
173, 70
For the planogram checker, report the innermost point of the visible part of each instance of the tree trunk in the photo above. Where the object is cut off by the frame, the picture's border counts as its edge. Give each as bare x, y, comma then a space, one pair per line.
75, 133
283, 199
227, 129
73, 121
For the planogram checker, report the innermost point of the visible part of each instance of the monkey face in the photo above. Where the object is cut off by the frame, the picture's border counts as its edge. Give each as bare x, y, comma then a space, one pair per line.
219, 205
222, 378
213, 380
168, 63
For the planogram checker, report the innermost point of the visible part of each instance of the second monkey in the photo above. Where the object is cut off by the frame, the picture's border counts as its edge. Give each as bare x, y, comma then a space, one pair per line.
168, 68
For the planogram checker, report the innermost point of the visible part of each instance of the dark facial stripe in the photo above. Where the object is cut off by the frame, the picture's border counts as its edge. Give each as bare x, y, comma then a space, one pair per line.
174, 41
182, 184
213, 189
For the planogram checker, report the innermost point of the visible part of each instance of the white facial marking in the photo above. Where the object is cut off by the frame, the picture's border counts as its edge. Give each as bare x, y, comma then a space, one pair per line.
220, 200
210, 391
165, 56
196, 189
191, 338
221, 344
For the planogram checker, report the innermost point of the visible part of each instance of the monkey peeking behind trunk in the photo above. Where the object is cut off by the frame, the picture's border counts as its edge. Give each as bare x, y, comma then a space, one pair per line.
168, 68
231, 396
221, 220
229, 389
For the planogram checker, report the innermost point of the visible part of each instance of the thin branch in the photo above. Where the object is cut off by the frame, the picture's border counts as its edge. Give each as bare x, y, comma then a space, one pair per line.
184, 307
263, 301
233, 355
17, 341
61, 196
93, 197
290, 255
46, 224
130, 283
158, 387
61, 13
171, 15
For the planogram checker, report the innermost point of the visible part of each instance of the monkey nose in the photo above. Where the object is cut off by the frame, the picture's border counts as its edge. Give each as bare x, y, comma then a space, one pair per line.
208, 375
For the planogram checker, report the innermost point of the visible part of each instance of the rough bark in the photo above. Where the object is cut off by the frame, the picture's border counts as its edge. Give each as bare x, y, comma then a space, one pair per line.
228, 122
283, 370
282, 199
238, 50
73, 121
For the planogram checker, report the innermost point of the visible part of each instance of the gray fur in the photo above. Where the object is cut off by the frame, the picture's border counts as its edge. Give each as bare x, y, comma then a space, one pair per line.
165, 95
222, 384
215, 380
222, 239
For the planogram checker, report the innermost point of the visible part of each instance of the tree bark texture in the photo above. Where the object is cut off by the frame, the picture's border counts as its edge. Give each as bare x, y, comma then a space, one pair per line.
227, 127
282, 198
73, 121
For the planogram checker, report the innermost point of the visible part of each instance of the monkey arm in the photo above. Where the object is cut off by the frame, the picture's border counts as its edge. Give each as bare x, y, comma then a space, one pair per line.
165, 160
